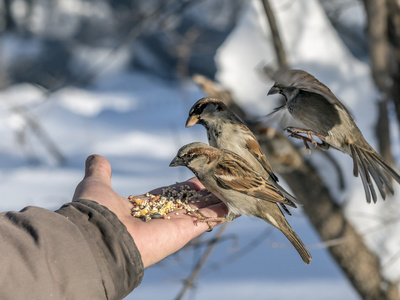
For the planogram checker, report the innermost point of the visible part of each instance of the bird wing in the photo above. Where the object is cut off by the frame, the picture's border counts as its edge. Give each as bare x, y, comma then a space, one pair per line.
326, 93
254, 148
307, 82
233, 173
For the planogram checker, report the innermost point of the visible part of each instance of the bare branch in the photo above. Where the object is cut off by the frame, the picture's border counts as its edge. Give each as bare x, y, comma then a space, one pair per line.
279, 50
379, 51
378, 41
40, 133
200, 264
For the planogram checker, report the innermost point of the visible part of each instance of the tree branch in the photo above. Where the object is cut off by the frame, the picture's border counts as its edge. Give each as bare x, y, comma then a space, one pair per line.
379, 51
360, 265
279, 50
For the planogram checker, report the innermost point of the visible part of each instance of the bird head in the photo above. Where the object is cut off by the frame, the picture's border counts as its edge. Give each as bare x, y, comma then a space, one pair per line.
288, 92
190, 153
275, 89
288, 83
205, 110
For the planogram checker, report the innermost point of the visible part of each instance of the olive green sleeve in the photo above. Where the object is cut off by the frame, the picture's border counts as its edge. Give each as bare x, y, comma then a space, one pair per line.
81, 251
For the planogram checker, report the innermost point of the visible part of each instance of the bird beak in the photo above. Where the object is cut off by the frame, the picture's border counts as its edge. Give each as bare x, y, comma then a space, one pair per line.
193, 119
177, 161
274, 90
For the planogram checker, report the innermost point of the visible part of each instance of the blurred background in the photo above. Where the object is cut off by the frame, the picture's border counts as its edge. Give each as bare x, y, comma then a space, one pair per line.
118, 77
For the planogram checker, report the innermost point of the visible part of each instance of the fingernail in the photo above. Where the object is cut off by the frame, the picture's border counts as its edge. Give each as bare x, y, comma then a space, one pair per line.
89, 161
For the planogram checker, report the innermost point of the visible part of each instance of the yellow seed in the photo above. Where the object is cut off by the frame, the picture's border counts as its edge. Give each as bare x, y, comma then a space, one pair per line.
169, 204
138, 201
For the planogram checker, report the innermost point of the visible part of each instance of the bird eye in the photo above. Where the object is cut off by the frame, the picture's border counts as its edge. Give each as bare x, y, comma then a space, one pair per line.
190, 155
198, 110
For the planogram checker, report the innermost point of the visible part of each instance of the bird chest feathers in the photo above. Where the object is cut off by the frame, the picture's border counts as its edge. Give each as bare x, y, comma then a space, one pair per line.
315, 112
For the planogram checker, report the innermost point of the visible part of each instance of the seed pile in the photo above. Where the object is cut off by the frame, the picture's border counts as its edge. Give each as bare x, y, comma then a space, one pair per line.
158, 206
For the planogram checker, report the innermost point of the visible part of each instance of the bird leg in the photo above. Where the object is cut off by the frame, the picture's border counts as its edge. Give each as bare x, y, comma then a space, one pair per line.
202, 218
295, 132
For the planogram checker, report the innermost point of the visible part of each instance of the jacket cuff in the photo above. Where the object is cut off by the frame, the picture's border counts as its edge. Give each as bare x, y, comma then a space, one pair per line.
118, 259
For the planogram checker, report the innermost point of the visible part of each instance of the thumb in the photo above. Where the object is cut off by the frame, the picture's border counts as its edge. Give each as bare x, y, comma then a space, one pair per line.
97, 168
97, 175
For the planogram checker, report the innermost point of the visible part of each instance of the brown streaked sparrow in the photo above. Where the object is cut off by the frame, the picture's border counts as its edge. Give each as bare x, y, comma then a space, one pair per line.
321, 114
244, 191
225, 130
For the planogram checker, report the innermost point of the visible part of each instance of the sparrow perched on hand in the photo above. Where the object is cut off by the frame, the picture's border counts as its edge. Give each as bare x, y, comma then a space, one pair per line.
240, 187
321, 114
225, 130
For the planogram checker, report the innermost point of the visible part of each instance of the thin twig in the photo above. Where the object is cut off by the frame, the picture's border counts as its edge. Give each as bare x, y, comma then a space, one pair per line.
196, 270
36, 128
279, 50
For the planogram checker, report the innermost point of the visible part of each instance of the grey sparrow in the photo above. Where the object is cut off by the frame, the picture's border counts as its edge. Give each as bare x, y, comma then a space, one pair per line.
322, 115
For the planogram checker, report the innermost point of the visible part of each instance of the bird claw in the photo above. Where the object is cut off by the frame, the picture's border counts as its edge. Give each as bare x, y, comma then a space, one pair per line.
295, 133
202, 218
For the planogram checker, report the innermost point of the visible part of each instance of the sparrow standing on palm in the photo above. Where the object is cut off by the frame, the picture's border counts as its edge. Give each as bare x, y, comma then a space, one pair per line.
240, 187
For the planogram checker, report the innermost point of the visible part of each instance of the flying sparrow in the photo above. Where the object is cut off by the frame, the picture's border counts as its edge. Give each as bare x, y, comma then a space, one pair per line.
244, 191
312, 104
225, 130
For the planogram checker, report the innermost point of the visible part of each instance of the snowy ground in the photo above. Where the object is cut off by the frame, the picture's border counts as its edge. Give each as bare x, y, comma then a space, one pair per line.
137, 122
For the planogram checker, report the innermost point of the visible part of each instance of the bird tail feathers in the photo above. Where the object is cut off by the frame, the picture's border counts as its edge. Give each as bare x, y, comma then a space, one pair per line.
275, 217
369, 164
298, 244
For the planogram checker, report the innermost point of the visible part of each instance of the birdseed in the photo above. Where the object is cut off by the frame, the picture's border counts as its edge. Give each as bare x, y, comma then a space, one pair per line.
158, 206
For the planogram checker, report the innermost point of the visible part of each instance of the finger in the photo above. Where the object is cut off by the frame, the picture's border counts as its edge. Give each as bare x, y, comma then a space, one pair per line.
217, 211
205, 200
97, 178
98, 168
197, 185
193, 183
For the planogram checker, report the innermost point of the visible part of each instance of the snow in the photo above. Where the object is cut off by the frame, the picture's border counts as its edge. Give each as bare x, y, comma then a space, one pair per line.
136, 121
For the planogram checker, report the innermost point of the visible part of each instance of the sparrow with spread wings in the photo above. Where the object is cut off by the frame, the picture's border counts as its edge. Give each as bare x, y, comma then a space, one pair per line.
322, 115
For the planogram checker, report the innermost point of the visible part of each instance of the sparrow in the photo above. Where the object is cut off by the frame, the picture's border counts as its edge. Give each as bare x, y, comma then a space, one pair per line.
321, 114
225, 130
244, 191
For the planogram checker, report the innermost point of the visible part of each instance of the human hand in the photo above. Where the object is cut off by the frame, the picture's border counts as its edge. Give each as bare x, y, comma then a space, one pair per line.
157, 238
